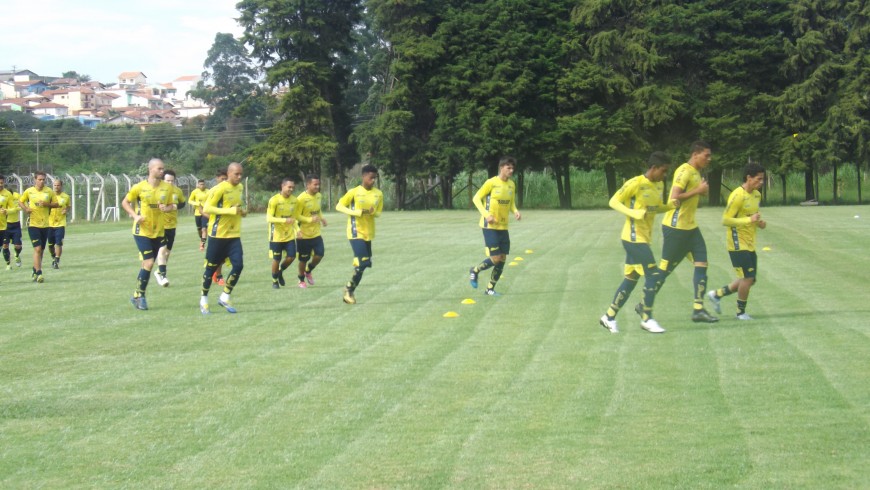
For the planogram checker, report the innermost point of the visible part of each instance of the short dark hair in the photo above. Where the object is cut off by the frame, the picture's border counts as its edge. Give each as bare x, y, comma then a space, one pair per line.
200, 181
507, 160
2, 177
699, 146
751, 170
221, 173
658, 159
310, 177
38, 173
369, 169
287, 179
169, 171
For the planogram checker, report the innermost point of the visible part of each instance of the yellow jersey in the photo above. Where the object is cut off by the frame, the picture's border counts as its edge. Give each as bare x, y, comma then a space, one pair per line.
57, 216
223, 222
197, 199
639, 199
146, 201
359, 225
170, 218
278, 210
496, 197
308, 206
741, 229
5, 199
13, 211
38, 214
687, 178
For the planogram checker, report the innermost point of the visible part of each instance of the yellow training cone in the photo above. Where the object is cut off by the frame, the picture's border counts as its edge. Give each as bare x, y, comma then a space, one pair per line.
468, 301
519, 259
451, 314
514, 263
766, 249
530, 251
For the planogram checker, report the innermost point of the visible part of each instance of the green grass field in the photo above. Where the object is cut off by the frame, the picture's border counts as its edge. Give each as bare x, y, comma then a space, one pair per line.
521, 391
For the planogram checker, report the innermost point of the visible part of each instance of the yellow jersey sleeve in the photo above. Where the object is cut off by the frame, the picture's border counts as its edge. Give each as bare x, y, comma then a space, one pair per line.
57, 216
361, 225
223, 220
686, 178
737, 218
495, 197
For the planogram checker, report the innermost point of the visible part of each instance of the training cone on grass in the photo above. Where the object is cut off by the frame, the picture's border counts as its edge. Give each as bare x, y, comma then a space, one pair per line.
450, 314
468, 301
766, 249
519, 259
513, 263
530, 251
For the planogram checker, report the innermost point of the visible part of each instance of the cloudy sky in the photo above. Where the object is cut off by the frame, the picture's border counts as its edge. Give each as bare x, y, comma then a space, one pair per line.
164, 39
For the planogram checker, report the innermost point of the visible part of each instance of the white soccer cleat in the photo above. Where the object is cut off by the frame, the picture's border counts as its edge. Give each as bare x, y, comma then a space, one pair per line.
608, 324
161, 279
717, 302
651, 326
743, 316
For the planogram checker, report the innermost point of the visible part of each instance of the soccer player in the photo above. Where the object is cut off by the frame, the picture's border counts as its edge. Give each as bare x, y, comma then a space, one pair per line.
170, 223
220, 176
6, 200
362, 205
196, 199
639, 199
280, 214
681, 234
57, 223
225, 208
146, 204
37, 201
309, 242
741, 216
496, 200
13, 231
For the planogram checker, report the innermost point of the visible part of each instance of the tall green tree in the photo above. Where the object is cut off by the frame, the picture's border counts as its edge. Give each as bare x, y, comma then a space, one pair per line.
299, 44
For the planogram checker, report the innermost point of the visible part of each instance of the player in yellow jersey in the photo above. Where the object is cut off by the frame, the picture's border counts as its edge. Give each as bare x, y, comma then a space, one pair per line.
220, 176
281, 217
362, 205
225, 208
309, 243
742, 218
196, 199
13, 231
170, 223
146, 203
5, 211
37, 201
57, 223
639, 199
681, 234
495, 200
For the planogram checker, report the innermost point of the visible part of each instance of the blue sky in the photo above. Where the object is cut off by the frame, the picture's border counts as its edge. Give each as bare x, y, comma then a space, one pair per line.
164, 39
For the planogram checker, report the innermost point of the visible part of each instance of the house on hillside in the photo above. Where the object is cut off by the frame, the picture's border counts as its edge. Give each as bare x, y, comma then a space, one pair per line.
132, 79
75, 98
17, 76
49, 109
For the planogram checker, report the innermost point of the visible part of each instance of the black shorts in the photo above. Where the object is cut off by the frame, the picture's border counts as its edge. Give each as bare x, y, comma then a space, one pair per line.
148, 247
278, 249
55, 236
13, 233
220, 249
308, 245
497, 242
362, 251
745, 263
681, 243
200, 222
638, 258
38, 236
168, 237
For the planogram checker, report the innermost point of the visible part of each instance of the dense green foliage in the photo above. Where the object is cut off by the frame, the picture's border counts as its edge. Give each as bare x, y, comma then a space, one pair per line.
429, 90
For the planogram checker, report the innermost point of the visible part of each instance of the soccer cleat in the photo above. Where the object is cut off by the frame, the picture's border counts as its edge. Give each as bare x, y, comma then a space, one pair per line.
221, 282
161, 279
651, 326
348, 297
743, 316
717, 302
275, 285
309, 278
203, 308
281, 278
17, 262
33, 277
492, 292
8, 267
472, 278
302, 285
701, 316
227, 305
54, 264
608, 324
40, 279
139, 302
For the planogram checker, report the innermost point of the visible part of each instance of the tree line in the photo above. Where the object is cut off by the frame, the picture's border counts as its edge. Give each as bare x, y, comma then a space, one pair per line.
436, 90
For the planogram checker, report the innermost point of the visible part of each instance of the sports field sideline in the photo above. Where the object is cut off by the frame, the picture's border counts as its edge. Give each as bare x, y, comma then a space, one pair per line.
521, 391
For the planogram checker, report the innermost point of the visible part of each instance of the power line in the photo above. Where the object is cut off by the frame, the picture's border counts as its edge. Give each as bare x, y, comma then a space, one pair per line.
54, 138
